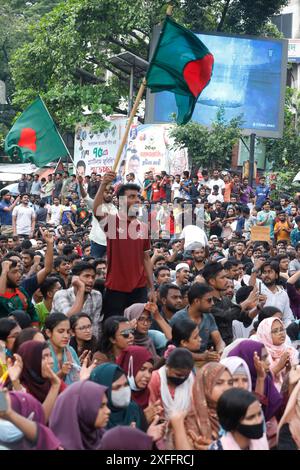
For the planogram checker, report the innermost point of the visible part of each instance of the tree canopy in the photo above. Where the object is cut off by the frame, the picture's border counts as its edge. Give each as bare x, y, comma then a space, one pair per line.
61, 50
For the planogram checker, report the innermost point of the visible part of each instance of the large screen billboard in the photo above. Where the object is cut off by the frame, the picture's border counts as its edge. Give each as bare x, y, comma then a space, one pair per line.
248, 80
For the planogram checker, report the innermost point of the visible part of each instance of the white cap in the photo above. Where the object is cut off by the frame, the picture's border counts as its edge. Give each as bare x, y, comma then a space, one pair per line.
182, 266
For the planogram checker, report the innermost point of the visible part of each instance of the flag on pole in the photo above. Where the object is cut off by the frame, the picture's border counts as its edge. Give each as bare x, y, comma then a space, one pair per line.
34, 136
181, 64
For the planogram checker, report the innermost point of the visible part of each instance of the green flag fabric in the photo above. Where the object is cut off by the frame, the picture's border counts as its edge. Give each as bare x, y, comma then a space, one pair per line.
34, 137
181, 64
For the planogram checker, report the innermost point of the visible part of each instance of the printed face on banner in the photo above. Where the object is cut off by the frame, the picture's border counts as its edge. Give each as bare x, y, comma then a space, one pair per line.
149, 148
96, 151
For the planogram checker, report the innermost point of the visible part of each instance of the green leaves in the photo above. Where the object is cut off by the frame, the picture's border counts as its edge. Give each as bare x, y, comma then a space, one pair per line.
209, 147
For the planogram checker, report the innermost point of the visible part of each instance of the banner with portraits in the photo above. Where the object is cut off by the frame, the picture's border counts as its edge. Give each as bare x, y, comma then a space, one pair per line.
149, 148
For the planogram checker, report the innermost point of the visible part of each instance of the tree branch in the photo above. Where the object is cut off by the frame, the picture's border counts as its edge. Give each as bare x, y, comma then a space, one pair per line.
224, 13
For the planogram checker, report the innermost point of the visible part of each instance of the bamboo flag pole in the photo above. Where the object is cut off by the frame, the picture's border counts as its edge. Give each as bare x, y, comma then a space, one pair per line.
130, 120
134, 110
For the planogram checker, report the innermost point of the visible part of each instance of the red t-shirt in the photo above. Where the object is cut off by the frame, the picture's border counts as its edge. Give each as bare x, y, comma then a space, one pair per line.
155, 192
126, 246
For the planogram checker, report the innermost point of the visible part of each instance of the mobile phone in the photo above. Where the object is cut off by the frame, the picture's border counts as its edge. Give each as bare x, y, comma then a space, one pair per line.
259, 288
3, 401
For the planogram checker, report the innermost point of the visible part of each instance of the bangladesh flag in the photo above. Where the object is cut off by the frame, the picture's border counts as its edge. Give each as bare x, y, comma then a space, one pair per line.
34, 137
181, 64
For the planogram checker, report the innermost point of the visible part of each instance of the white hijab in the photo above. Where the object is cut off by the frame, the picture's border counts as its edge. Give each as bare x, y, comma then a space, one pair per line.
183, 394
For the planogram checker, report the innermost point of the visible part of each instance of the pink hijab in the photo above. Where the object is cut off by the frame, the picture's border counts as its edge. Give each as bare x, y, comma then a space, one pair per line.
275, 352
264, 336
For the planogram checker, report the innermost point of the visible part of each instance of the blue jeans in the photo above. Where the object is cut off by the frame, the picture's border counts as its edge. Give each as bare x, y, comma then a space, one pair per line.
97, 251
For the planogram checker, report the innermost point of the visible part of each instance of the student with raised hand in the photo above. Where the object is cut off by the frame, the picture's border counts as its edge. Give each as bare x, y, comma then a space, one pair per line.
240, 415
256, 357
288, 437
272, 333
22, 425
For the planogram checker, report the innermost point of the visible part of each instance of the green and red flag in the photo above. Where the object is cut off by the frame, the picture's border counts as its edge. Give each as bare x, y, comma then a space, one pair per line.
34, 137
181, 64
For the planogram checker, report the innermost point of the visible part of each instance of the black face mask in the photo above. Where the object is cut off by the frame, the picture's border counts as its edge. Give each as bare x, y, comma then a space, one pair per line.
177, 380
254, 431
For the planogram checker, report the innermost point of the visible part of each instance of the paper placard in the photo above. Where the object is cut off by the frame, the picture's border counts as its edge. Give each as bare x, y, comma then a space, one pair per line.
260, 234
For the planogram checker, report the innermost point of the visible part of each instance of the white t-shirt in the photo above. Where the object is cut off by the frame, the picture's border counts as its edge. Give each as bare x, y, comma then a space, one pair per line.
176, 189
193, 235
212, 198
218, 182
24, 216
55, 212
97, 235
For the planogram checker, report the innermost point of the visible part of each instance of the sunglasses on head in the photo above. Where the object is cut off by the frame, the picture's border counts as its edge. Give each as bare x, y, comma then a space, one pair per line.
127, 333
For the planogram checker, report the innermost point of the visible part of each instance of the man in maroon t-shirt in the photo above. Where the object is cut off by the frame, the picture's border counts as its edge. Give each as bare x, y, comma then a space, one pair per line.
129, 267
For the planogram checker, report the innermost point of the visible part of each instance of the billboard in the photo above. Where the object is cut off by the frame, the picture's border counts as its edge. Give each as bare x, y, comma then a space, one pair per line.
95, 151
150, 148
248, 80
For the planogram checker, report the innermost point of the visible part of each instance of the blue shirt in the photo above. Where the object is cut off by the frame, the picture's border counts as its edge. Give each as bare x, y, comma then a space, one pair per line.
262, 192
5, 216
206, 327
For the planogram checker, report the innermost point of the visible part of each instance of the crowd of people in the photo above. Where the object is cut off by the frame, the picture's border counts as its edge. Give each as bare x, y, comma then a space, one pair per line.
147, 318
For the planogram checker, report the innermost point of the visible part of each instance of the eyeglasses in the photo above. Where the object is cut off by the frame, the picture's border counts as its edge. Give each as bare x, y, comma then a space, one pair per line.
84, 327
144, 320
127, 333
278, 331
210, 300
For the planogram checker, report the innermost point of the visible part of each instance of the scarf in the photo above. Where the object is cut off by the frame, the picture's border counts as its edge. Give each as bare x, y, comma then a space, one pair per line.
229, 443
31, 376
74, 414
203, 418
182, 396
245, 350
105, 375
134, 357
134, 312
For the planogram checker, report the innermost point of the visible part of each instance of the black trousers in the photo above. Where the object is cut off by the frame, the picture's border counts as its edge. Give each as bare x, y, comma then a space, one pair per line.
115, 302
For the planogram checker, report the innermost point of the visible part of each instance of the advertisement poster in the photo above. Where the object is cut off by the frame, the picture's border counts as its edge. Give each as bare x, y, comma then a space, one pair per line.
150, 148
96, 151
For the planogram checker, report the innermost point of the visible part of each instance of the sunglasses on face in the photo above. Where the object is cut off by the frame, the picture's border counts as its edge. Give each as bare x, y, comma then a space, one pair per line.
127, 333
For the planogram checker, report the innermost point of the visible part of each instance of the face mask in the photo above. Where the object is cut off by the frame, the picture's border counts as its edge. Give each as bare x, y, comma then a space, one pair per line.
177, 380
9, 432
254, 431
130, 376
121, 398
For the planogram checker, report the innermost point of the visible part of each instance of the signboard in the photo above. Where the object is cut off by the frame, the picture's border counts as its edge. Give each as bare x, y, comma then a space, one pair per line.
95, 151
260, 234
150, 148
294, 50
248, 81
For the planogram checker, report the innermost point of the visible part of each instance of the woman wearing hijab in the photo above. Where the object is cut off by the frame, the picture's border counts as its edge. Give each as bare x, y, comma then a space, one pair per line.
22, 426
241, 418
79, 416
256, 357
137, 363
126, 438
143, 314
37, 375
272, 333
124, 411
239, 371
202, 423
289, 426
